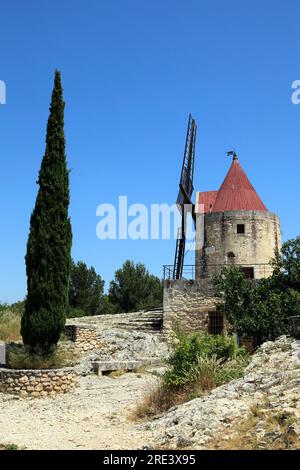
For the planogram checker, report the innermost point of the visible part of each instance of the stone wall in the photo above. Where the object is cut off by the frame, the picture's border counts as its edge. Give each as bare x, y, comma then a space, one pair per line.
187, 304
222, 245
37, 383
84, 338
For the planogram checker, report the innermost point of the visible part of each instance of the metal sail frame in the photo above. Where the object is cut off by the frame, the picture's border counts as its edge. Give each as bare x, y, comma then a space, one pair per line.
184, 197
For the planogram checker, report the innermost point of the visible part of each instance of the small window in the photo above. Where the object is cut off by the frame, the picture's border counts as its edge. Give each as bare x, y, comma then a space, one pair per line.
248, 272
215, 323
240, 228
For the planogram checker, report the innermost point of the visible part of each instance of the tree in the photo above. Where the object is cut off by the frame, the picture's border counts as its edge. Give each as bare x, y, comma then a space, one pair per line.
106, 307
261, 309
48, 257
287, 265
86, 289
134, 288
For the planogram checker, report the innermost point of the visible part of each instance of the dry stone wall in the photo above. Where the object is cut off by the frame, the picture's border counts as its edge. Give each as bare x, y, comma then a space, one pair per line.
84, 338
187, 304
37, 383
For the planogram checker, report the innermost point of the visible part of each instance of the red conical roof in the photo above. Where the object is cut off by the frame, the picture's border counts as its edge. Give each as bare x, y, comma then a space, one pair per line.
237, 193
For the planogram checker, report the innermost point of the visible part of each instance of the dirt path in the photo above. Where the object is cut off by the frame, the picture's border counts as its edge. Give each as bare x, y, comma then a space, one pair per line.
94, 416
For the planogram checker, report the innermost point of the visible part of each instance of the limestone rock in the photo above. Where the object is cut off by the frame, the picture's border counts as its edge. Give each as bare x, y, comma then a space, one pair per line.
273, 375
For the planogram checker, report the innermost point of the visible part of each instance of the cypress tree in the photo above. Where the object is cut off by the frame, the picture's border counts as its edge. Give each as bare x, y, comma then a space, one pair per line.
48, 257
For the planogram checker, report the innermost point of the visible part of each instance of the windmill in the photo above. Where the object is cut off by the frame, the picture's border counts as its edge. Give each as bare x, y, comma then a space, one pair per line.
184, 197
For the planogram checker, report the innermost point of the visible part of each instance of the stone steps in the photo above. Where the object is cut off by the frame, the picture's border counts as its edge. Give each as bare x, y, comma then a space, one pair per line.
150, 321
147, 321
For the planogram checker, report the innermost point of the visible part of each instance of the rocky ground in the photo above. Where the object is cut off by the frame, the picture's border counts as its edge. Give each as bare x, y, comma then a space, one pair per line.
261, 410
122, 343
94, 416
269, 392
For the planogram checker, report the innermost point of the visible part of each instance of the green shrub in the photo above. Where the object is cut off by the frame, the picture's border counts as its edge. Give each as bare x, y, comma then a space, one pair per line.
188, 350
11, 447
210, 372
203, 372
199, 363
230, 370
75, 312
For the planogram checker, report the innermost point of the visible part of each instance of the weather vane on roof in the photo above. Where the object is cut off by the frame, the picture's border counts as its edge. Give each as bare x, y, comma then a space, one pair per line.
233, 154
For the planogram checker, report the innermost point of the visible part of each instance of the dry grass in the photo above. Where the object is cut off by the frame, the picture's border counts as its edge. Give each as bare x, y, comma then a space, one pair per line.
10, 324
278, 432
20, 358
158, 399
206, 374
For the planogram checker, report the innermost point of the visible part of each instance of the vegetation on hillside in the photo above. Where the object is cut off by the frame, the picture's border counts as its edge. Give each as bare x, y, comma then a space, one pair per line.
197, 354
199, 362
19, 357
279, 431
132, 289
262, 308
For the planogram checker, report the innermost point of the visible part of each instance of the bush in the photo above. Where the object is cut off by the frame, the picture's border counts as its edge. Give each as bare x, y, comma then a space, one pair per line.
199, 363
9, 447
191, 350
75, 313
203, 373
231, 369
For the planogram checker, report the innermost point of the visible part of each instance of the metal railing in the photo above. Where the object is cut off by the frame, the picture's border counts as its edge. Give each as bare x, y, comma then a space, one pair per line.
189, 272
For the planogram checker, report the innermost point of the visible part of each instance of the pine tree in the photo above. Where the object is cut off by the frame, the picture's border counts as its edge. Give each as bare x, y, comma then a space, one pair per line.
134, 288
48, 258
86, 289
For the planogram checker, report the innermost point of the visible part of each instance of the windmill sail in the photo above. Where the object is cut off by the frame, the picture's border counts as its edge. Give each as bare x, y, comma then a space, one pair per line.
184, 197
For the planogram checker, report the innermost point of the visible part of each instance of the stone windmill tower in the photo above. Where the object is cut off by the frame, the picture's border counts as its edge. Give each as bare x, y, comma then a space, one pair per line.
234, 227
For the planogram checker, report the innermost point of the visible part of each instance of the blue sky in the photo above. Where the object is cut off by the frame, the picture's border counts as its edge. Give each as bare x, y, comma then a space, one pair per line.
132, 71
